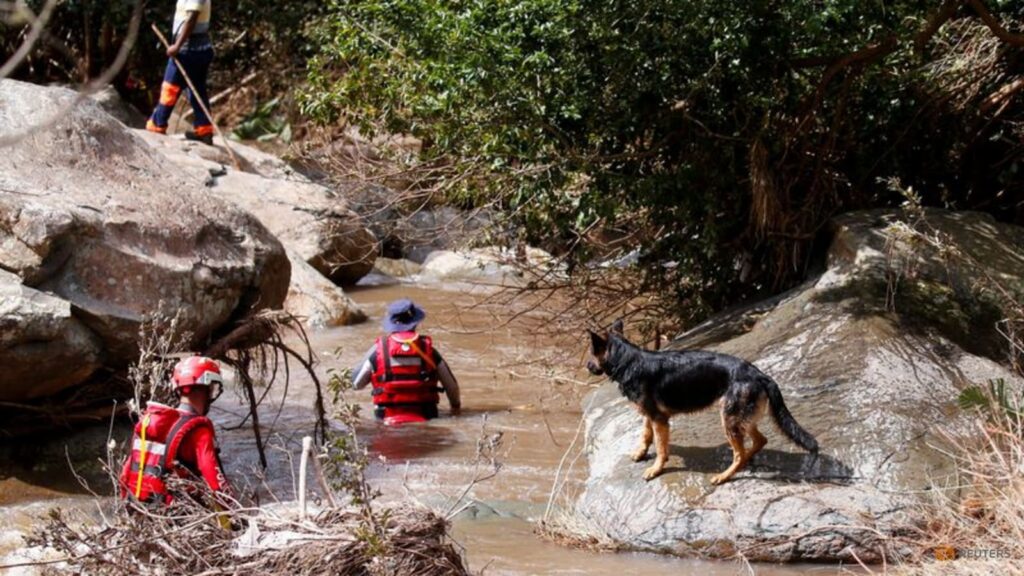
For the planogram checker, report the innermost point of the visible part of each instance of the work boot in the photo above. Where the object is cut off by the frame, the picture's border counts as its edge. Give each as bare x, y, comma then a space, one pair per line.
204, 138
152, 127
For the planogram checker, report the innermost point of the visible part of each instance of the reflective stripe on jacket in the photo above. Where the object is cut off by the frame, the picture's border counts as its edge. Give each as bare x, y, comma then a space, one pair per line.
169, 440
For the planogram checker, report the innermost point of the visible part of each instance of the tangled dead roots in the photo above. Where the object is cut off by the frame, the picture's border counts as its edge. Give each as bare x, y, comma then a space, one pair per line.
415, 543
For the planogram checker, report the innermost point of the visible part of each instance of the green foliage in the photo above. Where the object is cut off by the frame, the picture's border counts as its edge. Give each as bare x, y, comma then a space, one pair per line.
995, 397
647, 115
348, 461
264, 124
346, 467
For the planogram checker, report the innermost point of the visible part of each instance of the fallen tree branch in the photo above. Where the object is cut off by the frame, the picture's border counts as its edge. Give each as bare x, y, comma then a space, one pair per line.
257, 345
1003, 94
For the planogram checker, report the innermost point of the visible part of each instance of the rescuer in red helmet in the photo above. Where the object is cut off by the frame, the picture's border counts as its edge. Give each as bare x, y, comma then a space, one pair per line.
177, 441
405, 370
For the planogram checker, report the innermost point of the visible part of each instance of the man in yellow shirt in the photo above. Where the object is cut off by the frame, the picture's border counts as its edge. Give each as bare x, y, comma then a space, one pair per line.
194, 50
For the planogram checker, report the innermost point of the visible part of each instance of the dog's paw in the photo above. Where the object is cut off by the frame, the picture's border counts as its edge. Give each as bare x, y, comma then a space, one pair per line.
639, 455
652, 472
718, 479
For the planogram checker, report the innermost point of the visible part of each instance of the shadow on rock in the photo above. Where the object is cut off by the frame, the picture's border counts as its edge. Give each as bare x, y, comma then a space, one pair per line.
769, 464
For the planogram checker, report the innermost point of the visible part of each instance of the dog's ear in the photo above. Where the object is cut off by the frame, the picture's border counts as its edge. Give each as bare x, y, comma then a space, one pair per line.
598, 344
617, 327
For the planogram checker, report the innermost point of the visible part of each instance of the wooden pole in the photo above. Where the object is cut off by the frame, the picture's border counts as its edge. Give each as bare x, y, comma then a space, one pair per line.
202, 105
307, 445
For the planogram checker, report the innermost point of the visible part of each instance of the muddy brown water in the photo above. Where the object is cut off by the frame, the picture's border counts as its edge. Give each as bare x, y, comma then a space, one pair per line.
521, 392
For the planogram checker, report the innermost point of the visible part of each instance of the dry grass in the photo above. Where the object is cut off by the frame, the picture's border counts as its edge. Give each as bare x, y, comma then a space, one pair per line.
979, 517
974, 523
562, 523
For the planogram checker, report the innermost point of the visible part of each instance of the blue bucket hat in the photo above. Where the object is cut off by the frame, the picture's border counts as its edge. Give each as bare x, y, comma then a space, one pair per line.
403, 316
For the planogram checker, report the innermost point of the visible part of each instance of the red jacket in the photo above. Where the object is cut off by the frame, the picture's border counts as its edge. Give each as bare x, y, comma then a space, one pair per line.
406, 370
170, 441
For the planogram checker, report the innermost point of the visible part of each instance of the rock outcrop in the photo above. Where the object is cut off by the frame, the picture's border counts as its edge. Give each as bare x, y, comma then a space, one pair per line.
309, 219
92, 216
43, 348
396, 268
112, 104
871, 367
316, 300
489, 265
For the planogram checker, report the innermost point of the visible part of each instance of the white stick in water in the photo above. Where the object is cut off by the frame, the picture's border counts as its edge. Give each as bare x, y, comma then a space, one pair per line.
307, 444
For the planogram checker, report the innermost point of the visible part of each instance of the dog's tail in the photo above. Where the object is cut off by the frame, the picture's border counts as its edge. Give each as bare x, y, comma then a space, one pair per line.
785, 420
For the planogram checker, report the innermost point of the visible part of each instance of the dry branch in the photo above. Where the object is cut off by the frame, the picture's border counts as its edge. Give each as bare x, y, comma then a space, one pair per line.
1002, 95
995, 25
255, 349
38, 28
189, 541
940, 17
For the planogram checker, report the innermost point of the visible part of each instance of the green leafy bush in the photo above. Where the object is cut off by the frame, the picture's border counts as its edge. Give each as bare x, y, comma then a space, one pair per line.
718, 137
264, 124
995, 397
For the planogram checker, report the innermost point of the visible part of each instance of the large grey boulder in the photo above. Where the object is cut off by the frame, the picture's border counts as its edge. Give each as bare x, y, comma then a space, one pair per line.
113, 104
90, 214
873, 384
43, 348
309, 219
318, 302
488, 265
198, 158
436, 228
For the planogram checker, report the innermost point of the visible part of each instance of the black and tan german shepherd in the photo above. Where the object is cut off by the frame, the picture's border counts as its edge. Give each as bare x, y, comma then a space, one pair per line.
663, 384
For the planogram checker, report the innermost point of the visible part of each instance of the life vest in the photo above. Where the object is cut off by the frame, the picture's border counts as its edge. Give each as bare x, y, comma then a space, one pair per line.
406, 372
154, 452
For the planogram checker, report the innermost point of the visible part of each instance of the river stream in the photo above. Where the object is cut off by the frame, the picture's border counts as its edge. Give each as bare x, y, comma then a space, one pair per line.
522, 394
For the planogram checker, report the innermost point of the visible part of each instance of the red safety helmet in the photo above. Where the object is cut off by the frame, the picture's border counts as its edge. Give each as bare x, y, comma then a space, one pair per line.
198, 371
